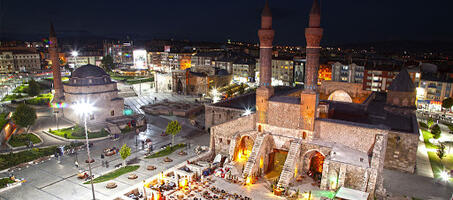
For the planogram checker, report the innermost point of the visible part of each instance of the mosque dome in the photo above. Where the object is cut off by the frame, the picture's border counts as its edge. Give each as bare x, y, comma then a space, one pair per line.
89, 75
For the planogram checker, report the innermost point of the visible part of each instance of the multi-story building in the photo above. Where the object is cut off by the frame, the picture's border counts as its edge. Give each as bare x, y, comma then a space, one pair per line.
351, 73
167, 62
324, 73
433, 88
19, 61
244, 70
282, 71
121, 52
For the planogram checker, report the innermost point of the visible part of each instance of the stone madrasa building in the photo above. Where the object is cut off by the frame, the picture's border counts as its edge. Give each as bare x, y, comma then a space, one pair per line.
293, 135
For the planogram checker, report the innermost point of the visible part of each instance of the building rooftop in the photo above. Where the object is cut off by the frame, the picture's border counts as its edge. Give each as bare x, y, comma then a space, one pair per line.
372, 113
402, 82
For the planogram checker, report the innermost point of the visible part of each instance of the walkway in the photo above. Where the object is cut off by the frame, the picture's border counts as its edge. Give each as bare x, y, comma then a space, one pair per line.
423, 164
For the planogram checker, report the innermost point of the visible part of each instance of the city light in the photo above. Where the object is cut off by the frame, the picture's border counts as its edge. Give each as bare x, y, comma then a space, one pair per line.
83, 107
247, 111
75, 53
420, 92
444, 176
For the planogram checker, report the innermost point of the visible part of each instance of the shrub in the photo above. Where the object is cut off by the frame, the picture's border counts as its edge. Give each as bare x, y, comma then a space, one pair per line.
435, 130
423, 125
78, 131
430, 122
441, 151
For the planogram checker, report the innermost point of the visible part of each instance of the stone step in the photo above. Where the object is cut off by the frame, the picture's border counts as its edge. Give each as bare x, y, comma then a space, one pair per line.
288, 171
252, 159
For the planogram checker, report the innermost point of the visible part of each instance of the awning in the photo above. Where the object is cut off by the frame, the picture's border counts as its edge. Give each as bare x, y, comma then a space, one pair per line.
351, 194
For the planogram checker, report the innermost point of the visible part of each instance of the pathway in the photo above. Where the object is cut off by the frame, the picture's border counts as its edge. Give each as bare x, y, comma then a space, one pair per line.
423, 163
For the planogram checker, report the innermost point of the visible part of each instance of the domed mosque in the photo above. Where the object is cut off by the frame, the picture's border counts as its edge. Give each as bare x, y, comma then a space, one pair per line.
90, 83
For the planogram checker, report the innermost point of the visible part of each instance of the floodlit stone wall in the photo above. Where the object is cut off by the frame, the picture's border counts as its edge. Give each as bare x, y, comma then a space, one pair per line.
284, 115
215, 115
401, 153
355, 136
222, 135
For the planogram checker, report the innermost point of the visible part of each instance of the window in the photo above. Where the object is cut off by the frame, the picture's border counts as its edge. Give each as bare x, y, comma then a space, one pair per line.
112, 113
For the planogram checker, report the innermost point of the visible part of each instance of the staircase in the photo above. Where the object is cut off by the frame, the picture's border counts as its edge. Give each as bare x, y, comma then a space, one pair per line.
255, 151
288, 169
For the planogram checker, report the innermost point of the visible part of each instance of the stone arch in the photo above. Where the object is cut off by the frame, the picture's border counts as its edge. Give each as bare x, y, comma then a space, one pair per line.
340, 95
306, 158
243, 146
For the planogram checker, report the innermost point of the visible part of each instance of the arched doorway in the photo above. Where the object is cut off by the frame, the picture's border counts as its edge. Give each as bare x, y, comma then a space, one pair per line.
340, 95
243, 149
315, 165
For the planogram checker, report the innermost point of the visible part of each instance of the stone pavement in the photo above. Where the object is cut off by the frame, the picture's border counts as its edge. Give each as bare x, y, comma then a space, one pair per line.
404, 184
423, 163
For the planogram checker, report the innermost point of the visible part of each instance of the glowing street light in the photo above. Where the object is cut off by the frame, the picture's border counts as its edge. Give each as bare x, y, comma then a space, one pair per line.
444, 176
84, 109
247, 111
75, 54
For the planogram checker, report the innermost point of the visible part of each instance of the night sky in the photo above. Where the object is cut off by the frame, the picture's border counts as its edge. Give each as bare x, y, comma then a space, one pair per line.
345, 21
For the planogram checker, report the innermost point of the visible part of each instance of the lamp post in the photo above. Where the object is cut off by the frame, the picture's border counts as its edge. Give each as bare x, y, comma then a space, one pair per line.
84, 109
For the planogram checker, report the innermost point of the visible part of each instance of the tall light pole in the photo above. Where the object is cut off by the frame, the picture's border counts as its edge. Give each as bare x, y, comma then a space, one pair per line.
75, 54
84, 108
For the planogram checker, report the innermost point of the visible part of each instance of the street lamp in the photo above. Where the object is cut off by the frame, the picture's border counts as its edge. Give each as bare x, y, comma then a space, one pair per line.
84, 108
75, 54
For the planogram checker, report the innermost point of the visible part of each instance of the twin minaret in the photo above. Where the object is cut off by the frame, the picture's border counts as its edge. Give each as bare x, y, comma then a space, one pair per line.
265, 90
53, 51
309, 97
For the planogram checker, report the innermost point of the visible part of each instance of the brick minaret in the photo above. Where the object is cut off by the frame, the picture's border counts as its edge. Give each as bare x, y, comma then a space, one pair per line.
313, 35
58, 86
309, 97
265, 90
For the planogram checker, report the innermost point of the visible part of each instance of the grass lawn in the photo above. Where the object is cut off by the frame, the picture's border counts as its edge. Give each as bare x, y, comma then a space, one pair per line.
22, 139
167, 151
426, 136
13, 159
11, 97
5, 181
69, 131
42, 99
21, 89
139, 80
3, 119
114, 174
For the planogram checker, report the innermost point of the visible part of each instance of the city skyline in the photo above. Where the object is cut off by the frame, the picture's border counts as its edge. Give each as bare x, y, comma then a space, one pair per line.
218, 21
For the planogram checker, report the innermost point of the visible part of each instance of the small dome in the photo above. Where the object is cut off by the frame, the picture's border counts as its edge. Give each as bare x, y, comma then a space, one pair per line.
89, 75
86, 71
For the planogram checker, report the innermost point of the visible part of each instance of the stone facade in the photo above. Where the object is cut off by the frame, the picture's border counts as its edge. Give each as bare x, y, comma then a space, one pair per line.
401, 151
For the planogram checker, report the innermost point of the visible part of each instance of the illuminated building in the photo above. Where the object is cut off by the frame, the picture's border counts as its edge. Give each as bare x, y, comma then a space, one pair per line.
19, 61
121, 52
91, 83
350, 73
324, 73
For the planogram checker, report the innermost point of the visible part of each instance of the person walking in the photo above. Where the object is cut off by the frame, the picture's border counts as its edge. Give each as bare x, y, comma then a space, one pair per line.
76, 164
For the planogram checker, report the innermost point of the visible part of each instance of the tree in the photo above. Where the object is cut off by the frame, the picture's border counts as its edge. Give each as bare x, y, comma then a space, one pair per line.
173, 128
33, 88
441, 151
447, 103
435, 130
107, 63
430, 122
125, 152
24, 116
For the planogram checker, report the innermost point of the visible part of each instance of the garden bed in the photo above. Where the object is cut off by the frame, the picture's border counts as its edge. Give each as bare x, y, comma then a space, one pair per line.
18, 140
5, 181
13, 159
114, 174
68, 133
42, 99
167, 151
11, 97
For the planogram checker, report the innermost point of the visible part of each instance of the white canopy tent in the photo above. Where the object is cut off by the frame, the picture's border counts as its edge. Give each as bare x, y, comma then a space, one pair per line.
351, 194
